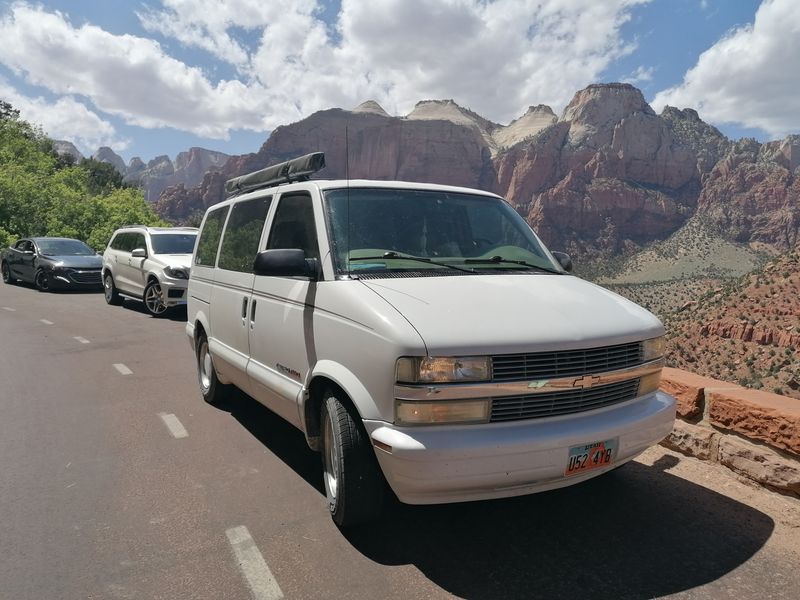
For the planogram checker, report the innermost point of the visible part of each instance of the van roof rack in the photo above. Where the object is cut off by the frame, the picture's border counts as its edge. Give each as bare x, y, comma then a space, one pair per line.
297, 169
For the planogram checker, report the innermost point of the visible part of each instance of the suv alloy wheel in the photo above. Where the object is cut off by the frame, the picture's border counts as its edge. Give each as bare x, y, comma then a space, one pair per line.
110, 291
154, 299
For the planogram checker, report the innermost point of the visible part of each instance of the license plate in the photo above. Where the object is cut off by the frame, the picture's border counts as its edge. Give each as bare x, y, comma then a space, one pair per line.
588, 457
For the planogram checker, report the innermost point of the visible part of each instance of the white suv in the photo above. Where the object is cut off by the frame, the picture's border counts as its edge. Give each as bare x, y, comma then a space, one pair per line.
151, 264
419, 335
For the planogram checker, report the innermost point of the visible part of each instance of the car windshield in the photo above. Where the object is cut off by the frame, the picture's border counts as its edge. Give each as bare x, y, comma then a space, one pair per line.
64, 248
377, 230
173, 243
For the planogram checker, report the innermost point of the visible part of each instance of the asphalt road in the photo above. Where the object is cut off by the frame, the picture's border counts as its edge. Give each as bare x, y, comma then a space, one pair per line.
118, 481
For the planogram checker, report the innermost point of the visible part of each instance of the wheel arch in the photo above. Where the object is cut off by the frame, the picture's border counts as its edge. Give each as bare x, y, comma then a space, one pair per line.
327, 374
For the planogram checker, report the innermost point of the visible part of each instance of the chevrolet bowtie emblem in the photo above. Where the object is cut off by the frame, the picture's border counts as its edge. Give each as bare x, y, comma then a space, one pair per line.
586, 381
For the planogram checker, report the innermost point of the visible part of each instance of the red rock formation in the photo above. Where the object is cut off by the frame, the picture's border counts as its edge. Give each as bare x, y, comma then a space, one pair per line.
754, 194
610, 174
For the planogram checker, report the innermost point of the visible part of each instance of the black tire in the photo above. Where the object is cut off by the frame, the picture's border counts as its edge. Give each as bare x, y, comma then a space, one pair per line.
110, 291
154, 299
212, 390
7, 277
42, 281
354, 484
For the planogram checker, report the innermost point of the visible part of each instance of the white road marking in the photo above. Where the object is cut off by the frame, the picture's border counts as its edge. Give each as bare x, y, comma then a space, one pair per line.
175, 427
82, 340
45, 321
123, 370
9, 309
262, 583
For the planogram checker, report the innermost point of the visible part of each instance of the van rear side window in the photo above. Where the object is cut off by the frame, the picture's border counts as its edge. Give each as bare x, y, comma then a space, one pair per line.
208, 245
242, 234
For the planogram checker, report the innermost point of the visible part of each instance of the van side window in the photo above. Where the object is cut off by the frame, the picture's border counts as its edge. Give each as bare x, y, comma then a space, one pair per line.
242, 234
208, 244
294, 226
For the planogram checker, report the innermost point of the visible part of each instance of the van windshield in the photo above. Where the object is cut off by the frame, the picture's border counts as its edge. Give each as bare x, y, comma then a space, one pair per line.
380, 230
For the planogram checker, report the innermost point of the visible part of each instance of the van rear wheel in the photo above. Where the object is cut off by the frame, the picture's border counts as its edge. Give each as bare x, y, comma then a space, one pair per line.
212, 390
353, 481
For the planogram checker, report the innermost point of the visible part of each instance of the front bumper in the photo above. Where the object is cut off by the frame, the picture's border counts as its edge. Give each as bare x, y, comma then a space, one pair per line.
437, 464
174, 291
75, 279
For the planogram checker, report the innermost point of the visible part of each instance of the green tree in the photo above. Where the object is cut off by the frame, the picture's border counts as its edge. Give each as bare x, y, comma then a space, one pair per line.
42, 194
103, 177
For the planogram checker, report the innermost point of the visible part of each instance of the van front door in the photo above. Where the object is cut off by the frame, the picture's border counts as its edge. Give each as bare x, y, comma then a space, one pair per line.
282, 311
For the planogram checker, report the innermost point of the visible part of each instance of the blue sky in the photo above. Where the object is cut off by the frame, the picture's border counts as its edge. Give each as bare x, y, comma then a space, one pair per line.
159, 76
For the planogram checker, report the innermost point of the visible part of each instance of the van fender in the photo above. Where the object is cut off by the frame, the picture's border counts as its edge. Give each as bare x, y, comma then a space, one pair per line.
350, 385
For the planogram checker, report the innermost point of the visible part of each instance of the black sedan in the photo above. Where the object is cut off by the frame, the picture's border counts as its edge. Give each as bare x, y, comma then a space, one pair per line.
52, 263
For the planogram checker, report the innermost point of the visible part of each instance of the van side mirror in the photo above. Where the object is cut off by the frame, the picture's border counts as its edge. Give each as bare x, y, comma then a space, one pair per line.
286, 263
139, 253
564, 260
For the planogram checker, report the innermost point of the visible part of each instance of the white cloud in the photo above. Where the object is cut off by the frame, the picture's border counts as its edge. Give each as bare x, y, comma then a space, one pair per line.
750, 77
494, 57
641, 74
65, 119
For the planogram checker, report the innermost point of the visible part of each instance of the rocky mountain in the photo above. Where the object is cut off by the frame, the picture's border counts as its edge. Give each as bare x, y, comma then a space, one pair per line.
64, 147
160, 173
754, 192
745, 331
107, 155
605, 178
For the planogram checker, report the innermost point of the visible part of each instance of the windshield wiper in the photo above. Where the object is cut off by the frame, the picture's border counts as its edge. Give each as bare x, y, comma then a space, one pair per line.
500, 259
398, 256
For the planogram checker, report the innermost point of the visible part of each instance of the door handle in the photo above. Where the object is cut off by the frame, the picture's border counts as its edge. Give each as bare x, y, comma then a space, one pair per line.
252, 314
244, 311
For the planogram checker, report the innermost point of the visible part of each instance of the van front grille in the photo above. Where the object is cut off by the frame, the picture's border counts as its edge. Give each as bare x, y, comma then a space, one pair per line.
565, 363
551, 404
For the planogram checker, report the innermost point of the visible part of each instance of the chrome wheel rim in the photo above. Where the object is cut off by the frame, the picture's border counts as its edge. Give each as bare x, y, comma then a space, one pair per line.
154, 299
108, 286
204, 366
331, 460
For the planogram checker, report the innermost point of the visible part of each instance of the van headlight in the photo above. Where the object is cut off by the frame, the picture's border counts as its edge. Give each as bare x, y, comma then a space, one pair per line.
431, 413
653, 348
451, 369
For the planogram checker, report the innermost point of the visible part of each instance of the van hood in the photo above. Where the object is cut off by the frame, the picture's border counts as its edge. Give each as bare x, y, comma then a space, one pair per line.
506, 314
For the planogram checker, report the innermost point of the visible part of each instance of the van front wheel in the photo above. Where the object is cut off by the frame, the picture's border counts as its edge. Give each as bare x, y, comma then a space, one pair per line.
353, 482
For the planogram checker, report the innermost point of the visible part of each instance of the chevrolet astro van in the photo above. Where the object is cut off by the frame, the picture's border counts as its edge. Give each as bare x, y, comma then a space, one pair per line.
420, 336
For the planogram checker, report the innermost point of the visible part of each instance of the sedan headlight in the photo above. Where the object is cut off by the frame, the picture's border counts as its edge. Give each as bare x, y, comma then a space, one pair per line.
176, 273
653, 348
430, 369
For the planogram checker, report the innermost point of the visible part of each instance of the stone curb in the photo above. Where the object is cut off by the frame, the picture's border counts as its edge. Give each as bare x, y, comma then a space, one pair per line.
755, 434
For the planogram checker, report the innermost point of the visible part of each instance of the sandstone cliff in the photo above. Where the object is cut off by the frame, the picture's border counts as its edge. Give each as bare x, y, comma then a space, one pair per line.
607, 176
753, 193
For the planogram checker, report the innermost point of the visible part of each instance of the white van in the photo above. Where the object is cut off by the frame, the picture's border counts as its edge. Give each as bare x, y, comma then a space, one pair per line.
421, 336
